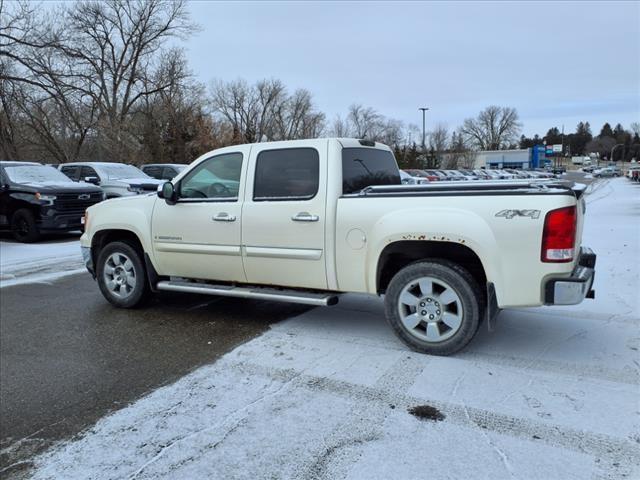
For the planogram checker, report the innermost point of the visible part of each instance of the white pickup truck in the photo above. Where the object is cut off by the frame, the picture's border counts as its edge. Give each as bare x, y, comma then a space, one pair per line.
306, 220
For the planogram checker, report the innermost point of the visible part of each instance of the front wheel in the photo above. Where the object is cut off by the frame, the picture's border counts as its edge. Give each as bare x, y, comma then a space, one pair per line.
121, 275
434, 306
24, 226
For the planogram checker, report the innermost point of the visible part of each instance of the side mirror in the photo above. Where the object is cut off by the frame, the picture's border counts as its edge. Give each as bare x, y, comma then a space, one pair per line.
168, 192
94, 180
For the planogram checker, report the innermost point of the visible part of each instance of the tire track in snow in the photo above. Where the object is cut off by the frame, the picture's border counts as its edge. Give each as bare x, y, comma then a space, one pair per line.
334, 458
376, 401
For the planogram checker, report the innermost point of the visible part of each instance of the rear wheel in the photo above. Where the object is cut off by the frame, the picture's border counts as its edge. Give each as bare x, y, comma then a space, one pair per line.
24, 226
434, 306
121, 275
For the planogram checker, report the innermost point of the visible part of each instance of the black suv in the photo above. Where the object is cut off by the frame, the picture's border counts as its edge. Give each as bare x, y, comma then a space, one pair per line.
37, 199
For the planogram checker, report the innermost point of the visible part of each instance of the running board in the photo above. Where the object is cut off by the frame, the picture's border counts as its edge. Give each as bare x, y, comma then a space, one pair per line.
259, 293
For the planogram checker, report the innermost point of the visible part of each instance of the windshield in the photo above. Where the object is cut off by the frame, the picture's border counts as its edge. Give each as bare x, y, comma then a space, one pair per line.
120, 170
35, 174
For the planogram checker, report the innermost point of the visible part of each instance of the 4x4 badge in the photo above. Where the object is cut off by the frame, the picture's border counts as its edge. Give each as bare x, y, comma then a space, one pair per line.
518, 213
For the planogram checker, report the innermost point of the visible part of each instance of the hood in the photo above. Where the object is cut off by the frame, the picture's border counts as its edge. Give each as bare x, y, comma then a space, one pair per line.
61, 187
140, 181
146, 184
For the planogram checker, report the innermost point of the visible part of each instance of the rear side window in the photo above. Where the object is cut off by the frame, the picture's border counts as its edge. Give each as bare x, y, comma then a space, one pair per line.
364, 167
155, 172
287, 174
73, 172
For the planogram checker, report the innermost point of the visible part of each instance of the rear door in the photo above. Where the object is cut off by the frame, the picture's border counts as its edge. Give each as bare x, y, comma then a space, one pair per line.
284, 215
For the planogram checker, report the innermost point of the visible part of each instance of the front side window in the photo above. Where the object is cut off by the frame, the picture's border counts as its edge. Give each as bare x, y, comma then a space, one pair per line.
287, 174
364, 167
216, 178
88, 172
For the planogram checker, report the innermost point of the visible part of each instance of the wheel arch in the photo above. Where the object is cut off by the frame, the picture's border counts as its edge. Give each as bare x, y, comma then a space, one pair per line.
399, 254
106, 236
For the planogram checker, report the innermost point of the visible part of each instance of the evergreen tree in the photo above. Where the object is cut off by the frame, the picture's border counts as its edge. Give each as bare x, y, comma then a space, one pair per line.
606, 131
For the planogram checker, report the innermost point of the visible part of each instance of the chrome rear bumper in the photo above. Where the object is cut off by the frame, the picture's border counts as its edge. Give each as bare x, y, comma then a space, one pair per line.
575, 288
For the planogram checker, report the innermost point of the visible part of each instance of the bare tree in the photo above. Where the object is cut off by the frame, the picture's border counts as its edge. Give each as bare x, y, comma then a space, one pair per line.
93, 71
266, 111
494, 128
635, 128
365, 122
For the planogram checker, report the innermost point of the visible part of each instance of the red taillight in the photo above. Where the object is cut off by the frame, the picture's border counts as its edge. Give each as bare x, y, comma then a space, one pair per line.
559, 235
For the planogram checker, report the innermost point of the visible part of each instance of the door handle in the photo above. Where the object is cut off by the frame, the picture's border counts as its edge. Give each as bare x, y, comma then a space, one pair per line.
224, 217
305, 217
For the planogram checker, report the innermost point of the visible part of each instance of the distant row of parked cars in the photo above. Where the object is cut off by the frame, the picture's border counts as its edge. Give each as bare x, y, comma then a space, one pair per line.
415, 176
37, 199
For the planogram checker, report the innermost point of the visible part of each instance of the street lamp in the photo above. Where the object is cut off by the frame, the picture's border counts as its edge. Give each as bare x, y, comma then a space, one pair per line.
614, 147
424, 110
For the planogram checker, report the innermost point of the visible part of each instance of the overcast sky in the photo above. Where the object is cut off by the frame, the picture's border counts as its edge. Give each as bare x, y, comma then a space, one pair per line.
557, 63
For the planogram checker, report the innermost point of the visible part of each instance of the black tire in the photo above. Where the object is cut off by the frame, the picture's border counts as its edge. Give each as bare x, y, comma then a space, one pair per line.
139, 291
24, 227
469, 299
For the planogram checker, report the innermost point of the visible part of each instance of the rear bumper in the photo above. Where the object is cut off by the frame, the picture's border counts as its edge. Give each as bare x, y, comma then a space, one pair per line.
575, 288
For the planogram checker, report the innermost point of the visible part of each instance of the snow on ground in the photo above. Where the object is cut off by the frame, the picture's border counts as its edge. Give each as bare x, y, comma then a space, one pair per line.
38, 262
553, 393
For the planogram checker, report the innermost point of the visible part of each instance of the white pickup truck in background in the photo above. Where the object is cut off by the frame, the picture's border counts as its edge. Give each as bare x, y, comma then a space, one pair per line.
306, 220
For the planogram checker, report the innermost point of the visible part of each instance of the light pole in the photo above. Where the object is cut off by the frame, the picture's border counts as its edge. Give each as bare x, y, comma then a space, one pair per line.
614, 147
424, 110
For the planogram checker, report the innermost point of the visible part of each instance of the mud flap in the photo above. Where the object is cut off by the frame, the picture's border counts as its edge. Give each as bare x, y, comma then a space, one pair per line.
492, 310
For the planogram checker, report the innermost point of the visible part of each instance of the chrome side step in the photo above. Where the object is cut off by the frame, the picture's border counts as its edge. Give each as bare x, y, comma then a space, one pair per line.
260, 293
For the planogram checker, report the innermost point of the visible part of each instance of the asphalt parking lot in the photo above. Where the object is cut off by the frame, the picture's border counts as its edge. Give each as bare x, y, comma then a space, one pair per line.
67, 357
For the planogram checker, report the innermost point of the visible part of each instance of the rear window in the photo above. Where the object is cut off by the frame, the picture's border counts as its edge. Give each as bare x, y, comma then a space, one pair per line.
364, 167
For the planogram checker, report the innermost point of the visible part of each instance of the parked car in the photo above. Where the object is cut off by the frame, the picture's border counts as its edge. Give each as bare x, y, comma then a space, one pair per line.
469, 174
498, 174
36, 199
436, 174
521, 174
455, 175
407, 179
316, 218
482, 174
605, 172
432, 177
115, 179
163, 171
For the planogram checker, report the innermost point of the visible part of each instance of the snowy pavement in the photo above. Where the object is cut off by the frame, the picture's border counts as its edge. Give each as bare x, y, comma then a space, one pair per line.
553, 393
37, 262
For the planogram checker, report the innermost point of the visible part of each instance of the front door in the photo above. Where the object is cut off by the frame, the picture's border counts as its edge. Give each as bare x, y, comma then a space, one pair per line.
199, 236
283, 216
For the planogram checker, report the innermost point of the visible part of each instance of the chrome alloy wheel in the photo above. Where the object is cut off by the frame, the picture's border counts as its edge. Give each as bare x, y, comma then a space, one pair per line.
119, 275
430, 309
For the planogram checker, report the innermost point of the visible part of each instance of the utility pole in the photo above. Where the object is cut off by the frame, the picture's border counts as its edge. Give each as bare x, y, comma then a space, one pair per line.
424, 110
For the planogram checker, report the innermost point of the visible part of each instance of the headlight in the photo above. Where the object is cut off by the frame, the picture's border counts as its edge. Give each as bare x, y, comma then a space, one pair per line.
47, 199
